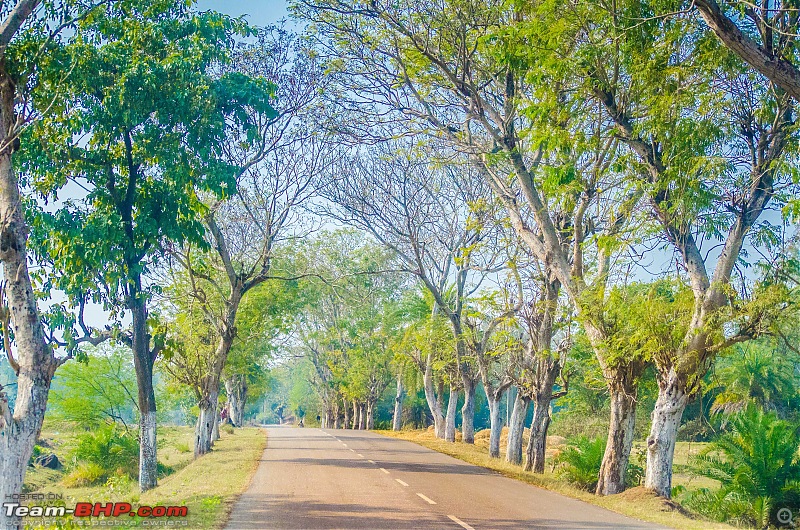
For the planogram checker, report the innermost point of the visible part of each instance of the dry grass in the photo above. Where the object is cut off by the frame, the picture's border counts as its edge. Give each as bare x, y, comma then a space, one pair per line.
208, 486
635, 502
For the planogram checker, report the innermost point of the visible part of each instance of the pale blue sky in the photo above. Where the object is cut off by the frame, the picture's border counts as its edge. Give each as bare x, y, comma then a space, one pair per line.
258, 12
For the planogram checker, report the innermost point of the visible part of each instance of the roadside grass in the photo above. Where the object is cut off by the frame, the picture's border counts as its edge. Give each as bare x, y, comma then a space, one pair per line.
208, 486
635, 502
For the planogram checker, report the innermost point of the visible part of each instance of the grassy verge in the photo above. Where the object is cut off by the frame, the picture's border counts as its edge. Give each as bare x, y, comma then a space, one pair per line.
635, 502
208, 486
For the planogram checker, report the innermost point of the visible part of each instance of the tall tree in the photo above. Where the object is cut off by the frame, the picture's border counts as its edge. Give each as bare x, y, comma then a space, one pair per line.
434, 219
138, 127
30, 33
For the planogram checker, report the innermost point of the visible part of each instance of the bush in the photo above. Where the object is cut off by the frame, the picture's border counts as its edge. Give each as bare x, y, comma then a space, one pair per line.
580, 461
756, 463
182, 447
111, 449
228, 429
85, 474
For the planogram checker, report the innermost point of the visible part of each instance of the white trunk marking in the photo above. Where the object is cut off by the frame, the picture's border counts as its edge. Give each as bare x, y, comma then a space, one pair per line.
460, 522
426, 499
401, 482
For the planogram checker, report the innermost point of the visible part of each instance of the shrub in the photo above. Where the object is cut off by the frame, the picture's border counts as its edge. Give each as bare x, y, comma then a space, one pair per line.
182, 447
756, 463
228, 428
85, 474
113, 450
580, 461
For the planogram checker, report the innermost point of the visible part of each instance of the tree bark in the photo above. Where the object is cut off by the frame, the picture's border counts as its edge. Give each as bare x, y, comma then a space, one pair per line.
468, 411
143, 361
516, 428
370, 415
434, 401
666, 419
452, 409
20, 429
537, 443
620, 439
398, 405
496, 427
236, 389
337, 418
204, 430
362, 416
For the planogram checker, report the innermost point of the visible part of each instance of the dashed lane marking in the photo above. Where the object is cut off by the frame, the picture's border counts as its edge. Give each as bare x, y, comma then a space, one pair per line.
401, 482
460, 522
371, 461
384, 471
426, 499
360, 455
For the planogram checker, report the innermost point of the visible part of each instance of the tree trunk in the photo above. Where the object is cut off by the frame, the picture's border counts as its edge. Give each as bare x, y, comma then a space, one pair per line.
19, 431
143, 362
450, 419
370, 415
398, 405
496, 426
346, 409
516, 429
537, 443
355, 414
666, 420
236, 389
434, 401
362, 416
204, 430
468, 411
620, 439
337, 419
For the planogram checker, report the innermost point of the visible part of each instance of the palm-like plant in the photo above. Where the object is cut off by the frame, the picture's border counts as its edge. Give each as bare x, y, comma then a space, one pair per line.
757, 465
755, 374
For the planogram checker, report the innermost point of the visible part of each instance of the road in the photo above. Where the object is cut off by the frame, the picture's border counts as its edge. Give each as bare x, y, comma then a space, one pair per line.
312, 478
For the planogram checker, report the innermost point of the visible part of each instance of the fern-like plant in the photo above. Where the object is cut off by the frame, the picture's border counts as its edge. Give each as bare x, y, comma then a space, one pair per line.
580, 461
756, 463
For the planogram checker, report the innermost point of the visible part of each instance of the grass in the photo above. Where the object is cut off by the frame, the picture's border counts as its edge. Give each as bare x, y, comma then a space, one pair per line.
635, 502
208, 486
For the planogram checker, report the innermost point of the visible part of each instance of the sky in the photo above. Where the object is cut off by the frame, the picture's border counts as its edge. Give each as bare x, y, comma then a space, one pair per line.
258, 12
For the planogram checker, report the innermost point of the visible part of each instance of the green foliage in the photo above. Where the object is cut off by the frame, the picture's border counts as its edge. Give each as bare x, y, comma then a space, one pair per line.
93, 392
105, 452
758, 467
580, 461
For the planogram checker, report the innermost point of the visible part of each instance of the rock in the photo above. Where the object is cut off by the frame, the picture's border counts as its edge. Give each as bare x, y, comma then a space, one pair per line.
49, 461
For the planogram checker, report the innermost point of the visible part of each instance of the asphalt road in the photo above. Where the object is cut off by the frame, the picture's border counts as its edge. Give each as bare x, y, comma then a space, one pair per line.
313, 478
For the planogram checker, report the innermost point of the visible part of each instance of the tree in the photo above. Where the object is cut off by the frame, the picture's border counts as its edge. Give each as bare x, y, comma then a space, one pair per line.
467, 73
138, 125
434, 219
30, 31
279, 160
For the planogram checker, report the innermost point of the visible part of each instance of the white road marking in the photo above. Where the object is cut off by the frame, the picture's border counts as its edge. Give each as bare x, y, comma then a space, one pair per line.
384, 471
401, 482
353, 450
426, 499
371, 461
460, 522
360, 455
344, 444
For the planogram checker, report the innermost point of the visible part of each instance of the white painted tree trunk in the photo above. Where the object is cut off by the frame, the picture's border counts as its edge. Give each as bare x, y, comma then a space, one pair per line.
143, 361
346, 409
666, 419
362, 416
450, 419
468, 411
434, 401
204, 430
537, 443
236, 390
618, 447
370, 415
495, 428
355, 414
516, 429
19, 428
337, 418
397, 420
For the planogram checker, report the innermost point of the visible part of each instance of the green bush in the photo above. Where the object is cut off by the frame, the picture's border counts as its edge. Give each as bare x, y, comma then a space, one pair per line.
85, 474
228, 429
111, 449
580, 461
756, 463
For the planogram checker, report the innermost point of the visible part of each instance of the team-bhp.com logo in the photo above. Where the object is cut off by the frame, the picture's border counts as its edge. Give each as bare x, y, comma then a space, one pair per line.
88, 509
